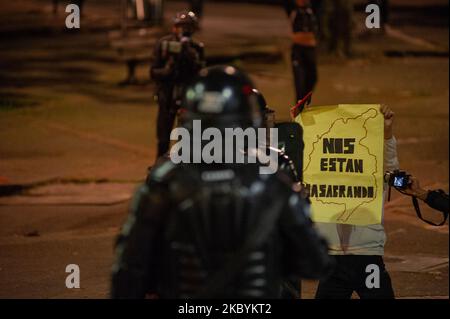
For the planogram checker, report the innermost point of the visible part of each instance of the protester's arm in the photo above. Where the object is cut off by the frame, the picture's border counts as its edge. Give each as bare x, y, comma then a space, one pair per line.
414, 189
305, 252
137, 250
390, 143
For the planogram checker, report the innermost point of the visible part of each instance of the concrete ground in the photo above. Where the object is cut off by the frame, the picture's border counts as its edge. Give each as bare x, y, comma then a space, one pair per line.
66, 125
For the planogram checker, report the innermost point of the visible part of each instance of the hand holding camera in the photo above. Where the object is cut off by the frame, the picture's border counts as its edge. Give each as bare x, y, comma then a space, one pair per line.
415, 190
409, 185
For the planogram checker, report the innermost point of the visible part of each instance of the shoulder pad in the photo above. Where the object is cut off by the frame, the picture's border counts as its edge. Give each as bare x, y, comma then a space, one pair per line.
160, 172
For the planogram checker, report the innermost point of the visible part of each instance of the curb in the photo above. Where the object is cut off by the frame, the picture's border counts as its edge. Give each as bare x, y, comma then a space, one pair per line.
16, 189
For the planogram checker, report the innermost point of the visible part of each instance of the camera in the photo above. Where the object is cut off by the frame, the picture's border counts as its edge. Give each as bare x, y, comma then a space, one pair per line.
174, 47
397, 179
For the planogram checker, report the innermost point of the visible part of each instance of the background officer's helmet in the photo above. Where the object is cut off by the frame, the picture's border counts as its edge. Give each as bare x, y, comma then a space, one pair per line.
186, 20
222, 96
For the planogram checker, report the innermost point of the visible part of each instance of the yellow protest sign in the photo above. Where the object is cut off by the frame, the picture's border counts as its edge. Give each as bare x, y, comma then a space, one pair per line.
343, 162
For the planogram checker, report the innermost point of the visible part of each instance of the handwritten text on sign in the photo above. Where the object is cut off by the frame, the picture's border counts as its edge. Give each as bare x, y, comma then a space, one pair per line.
343, 162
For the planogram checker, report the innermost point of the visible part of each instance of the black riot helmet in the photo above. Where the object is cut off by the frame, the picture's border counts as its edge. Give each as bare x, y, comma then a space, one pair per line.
222, 96
261, 100
187, 20
267, 113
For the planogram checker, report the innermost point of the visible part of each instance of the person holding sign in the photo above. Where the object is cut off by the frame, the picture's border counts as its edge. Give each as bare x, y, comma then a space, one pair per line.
358, 248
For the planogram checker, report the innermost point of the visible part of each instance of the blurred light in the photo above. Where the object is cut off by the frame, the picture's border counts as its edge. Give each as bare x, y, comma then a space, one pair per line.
230, 70
227, 93
199, 88
190, 94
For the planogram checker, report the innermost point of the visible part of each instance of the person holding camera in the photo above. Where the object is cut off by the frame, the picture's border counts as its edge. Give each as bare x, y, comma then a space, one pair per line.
407, 184
436, 199
177, 60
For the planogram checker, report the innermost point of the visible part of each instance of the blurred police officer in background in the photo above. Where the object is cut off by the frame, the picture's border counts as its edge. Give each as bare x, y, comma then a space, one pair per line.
216, 230
177, 60
337, 26
304, 43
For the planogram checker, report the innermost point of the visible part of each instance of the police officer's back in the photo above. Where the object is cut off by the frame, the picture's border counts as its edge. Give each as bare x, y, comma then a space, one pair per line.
216, 230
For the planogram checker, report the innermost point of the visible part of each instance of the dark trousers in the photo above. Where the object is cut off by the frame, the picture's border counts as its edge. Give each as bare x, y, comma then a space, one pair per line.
350, 275
304, 66
166, 118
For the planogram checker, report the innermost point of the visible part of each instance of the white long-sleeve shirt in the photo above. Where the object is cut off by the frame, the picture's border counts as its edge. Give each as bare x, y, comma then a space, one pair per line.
361, 240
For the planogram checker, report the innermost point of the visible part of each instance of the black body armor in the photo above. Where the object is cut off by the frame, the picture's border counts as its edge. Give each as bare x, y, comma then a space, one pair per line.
189, 222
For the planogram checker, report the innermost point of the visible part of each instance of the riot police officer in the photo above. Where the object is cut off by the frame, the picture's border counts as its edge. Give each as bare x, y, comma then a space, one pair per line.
216, 230
290, 289
177, 60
